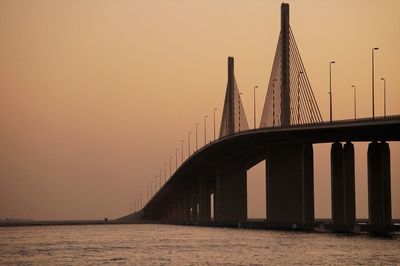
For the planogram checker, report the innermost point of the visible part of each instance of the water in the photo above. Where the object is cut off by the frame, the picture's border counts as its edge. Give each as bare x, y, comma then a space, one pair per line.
187, 245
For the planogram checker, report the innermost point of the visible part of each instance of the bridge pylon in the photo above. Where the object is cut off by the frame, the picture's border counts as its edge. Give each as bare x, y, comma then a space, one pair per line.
233, 116
290, 99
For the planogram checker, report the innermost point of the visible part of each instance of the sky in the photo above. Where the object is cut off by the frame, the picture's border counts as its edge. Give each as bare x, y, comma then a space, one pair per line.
96, 95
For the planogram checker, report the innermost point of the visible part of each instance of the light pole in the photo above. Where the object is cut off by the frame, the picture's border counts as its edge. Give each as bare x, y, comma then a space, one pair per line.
239, 108
355, 101
155, 184
176, 159
170, 166
182, 141
151, 188
165, 173
190, 132
330, 90
197, 125
160, 178
298, 96
384, 96
373, 82
214, 121
205, 130
254, 93
141, 199
273, 101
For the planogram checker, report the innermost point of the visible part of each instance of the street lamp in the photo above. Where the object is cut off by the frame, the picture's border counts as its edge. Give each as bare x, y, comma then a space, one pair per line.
254, 93
176, 159
273, 101
373, 82
182, 141
330, 90
355, 101
239, 108
205, 130
165, 172
190, 132
298, 96
160, 177
197, 125
155, 184
214, 121
384, 96
170, 167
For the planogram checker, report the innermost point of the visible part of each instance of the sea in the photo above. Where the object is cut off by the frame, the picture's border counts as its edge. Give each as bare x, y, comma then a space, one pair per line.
153, 244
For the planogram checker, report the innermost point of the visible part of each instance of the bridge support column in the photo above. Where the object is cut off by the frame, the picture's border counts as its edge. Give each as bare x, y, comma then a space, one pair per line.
231, 193
195, 200
203, 193
186, 206
379, 196
349, 184
290, 184
343, 184
337, 191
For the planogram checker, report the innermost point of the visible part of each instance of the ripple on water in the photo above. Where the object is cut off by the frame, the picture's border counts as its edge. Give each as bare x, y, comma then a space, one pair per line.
187, 245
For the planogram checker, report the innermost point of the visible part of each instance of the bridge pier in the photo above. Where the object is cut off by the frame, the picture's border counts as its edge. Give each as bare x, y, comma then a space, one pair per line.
290, 184
379, 194
195, 200
204, 200
231, 193
186, 206
343, 184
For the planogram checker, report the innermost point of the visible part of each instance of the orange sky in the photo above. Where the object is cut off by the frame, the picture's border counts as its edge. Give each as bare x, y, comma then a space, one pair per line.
96, 95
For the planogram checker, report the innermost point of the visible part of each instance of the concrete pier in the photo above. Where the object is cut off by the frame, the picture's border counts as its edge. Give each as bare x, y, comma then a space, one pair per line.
231, 193
379, 194
290, 184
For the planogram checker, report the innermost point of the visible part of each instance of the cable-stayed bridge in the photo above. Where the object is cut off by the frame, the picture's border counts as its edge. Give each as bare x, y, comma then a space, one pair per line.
210, 186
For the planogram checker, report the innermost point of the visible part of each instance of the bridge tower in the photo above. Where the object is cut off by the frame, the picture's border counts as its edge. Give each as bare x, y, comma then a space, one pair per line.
290, 99
233, 116
289, 167
285, 65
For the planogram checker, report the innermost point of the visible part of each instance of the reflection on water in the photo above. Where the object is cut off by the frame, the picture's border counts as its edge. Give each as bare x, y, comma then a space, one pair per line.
182, 245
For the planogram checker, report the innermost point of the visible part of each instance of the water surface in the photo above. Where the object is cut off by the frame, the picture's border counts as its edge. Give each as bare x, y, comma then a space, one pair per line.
187, 245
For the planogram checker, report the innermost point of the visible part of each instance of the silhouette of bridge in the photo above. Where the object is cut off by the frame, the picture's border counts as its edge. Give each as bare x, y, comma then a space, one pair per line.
210, 188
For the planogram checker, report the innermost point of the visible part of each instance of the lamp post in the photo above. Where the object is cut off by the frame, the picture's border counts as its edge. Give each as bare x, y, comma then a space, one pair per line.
273, 101
197, 125
384, 96
151, 188
176, 159
214, 120
355, 101
155, 184
165, 172
170, 166
182, 141
190, 132
330, 90
373, 82
239, 108
160, 178
141, 199
298, 96
254, 115
205, 130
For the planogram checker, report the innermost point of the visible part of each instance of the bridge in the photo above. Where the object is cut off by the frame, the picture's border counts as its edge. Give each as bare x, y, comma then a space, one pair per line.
210, 188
